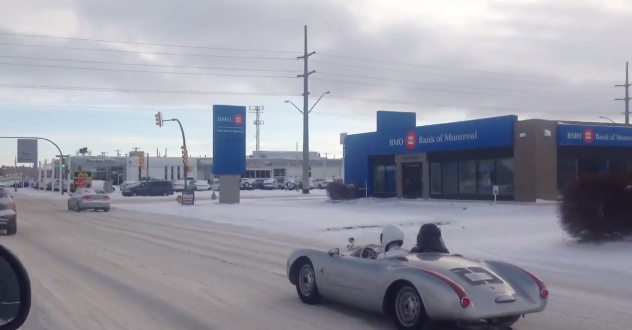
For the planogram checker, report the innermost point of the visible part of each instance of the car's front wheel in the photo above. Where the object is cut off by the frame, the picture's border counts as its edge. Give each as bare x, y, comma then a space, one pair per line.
408, 309
306, 284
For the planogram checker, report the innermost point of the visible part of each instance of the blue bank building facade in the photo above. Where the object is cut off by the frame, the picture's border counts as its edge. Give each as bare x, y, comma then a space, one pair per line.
526, 159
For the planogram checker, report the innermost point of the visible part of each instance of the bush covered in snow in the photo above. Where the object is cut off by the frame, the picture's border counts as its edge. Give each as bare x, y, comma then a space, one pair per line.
338, 191
598, 207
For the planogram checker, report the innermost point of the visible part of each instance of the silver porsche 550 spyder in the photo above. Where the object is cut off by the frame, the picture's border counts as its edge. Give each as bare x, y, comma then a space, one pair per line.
420, 287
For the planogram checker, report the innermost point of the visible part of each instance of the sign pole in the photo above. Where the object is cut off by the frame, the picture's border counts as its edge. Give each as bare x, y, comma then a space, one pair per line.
495, 191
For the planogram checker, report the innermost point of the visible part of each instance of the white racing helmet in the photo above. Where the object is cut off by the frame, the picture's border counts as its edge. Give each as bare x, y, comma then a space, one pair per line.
391, 234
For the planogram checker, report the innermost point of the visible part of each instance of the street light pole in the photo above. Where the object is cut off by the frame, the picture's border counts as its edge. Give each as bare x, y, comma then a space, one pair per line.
606, 118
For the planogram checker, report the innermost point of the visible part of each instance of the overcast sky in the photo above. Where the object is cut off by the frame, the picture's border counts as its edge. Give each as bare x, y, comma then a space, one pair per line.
458, 59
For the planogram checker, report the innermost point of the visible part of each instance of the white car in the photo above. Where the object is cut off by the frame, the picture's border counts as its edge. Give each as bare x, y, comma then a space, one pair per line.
322, 183
246, 183
200, 184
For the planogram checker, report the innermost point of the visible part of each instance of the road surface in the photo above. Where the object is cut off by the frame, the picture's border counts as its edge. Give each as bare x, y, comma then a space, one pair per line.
129, 270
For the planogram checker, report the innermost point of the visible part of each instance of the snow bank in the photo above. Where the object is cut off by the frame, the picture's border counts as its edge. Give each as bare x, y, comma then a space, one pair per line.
524, 233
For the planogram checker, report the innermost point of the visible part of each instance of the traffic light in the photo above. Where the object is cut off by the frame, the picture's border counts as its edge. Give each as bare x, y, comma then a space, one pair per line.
185, 155
141, 162
63, 163
159, 119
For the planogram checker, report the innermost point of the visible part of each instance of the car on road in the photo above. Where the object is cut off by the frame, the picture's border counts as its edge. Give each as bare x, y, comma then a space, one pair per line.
149, 188
418, 288
8, 213
88, 199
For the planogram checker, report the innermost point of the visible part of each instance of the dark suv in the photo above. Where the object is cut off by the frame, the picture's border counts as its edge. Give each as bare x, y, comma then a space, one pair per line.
150, 188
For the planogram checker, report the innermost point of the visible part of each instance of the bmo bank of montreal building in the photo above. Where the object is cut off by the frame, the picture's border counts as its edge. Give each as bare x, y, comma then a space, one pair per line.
527, 159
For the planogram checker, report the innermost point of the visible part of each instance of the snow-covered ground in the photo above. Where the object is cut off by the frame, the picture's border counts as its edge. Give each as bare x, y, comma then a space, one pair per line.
524, 233
200, 195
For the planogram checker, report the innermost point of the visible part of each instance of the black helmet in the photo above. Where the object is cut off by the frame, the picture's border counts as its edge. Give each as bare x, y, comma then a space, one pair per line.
429, 239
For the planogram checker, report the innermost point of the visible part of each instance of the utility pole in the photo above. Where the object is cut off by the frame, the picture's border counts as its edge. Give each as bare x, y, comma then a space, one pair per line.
305, 76
103, 153
118, 152
626, 99
257, 110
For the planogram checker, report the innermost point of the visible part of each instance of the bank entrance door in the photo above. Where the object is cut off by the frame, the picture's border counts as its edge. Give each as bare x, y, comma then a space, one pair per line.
412, 180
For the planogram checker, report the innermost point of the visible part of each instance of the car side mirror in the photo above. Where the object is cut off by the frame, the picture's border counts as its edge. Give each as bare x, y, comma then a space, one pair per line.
333, 252
351, 240
16, 298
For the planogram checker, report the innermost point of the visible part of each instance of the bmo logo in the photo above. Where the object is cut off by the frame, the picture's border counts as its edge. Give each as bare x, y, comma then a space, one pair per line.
588, 136
225, 119
395, 142
411, 140
238, 120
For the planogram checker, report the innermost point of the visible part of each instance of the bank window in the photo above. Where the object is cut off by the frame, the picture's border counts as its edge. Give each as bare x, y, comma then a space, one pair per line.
166, 172
279, 172
505, 176
467, 177
485, 173
178, 172
450, 178
172, 171
379, 178
435, 178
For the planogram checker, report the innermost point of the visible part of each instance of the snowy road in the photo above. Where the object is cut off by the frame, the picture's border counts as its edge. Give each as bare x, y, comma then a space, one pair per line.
137, 271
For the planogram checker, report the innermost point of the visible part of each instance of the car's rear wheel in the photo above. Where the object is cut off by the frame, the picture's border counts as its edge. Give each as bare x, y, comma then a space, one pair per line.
408, 309
306, 284
107, 209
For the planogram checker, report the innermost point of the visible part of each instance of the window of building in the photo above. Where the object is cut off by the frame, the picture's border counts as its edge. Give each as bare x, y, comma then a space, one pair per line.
435, 178
566, 173
178, 172
379, 178
450, 178
172, 171
166, 172
279, 172
485, 177
467, 177
505, 176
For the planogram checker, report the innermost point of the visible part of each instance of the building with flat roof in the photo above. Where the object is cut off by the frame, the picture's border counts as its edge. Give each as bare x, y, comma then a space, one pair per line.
525, 160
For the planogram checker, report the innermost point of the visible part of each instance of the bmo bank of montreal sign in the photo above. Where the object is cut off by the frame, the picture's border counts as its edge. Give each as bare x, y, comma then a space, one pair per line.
412, 139
594, 135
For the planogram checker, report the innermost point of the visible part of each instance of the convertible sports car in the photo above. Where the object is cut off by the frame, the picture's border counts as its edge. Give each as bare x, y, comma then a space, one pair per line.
419, 288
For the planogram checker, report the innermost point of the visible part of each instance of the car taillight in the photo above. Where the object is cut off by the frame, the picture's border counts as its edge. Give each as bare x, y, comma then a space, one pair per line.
460, 292
544, 292
106, 198
85, 197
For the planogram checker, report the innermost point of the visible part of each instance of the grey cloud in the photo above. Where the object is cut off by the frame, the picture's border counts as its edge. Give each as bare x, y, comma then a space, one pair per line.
554, 38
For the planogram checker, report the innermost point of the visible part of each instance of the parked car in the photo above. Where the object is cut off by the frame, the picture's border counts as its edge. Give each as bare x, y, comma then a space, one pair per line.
322, 183
258, 184
214, 184
8, 213
246, 184
150, 188
300, 184
88, 198
191, 181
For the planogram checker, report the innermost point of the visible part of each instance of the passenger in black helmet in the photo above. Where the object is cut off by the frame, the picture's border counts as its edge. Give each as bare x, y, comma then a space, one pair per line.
429, 240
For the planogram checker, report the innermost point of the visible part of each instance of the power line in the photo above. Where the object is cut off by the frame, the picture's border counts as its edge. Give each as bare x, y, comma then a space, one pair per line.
123, 90
141, 71
145, 64
340, 98
451, 85
149, 44
450, 91
454, 76
149, 53
442, 68
254, 76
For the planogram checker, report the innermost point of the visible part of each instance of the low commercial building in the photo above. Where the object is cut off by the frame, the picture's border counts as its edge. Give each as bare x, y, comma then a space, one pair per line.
525, 160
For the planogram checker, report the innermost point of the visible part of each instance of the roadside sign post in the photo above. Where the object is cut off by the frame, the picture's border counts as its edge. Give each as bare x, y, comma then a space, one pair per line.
495, 192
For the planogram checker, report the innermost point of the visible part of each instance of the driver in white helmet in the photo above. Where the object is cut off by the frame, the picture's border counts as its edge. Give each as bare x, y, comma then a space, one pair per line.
392, 239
